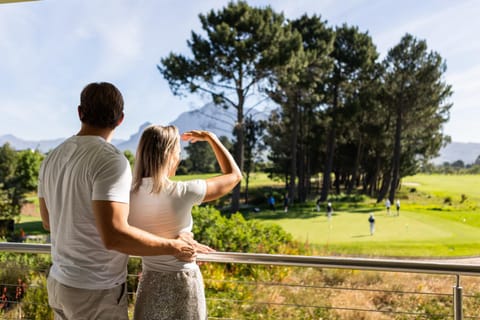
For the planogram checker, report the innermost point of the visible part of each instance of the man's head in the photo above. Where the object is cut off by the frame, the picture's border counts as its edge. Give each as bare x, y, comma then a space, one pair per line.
101, 105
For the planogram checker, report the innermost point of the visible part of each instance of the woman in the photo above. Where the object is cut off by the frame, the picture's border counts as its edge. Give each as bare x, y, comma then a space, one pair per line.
169, 288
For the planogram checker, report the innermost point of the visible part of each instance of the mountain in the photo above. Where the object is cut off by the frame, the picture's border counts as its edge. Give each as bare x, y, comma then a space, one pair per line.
209, 117
221, 121
20, 144
131, 143
465, 151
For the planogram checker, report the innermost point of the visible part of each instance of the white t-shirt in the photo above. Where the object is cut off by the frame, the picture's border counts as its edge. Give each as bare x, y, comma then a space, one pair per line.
166, 214
82, 169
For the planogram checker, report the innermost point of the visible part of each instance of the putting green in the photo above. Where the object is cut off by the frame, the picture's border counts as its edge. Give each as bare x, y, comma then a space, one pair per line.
410, 234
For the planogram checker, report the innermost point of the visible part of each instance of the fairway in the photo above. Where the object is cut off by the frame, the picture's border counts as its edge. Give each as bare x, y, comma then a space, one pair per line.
441, 185
428, 225
410, 234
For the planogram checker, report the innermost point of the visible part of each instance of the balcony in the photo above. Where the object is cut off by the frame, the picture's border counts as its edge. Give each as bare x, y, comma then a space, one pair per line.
455, 287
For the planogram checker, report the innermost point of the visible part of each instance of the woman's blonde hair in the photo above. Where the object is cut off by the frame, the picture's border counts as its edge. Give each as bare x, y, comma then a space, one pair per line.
154, 150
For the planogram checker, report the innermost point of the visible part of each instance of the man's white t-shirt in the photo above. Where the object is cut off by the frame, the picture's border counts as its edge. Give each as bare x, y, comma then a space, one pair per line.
166, 214
82, 169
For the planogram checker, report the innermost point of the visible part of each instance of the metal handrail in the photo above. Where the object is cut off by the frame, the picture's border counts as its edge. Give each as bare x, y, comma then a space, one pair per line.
393, 265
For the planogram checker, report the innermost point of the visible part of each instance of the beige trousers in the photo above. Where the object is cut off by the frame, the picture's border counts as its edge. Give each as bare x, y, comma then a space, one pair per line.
70, 303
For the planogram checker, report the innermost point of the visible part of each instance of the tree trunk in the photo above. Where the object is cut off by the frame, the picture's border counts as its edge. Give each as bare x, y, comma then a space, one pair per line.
396, 156
328, 165
302, 183
354, 180
294, 145
372, 183
338, 179
247, 179
330, 151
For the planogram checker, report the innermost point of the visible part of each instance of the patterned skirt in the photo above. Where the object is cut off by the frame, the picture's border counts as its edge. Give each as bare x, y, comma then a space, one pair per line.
171, 295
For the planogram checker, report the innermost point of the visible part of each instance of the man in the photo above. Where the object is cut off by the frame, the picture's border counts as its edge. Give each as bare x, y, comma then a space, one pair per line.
84, 190
387, 205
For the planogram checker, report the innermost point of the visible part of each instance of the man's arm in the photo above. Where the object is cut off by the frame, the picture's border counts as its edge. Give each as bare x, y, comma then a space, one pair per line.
117, 234
44, 214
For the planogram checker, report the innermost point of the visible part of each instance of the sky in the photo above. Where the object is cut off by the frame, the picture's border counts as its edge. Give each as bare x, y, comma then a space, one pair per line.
50, 49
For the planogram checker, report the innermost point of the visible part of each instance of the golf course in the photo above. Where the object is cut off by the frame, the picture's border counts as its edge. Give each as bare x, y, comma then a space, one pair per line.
439, 217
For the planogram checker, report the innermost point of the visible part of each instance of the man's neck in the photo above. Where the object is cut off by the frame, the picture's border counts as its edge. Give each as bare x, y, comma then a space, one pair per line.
87, 130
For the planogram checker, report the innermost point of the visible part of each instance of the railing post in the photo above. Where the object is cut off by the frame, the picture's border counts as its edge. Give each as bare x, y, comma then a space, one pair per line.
457, 301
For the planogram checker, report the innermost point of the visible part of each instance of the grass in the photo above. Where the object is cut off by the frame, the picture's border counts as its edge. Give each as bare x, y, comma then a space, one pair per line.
441, 186
439, 218
410, 234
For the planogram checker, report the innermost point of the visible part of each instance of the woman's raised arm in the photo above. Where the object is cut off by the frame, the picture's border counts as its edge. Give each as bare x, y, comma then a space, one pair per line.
231, 174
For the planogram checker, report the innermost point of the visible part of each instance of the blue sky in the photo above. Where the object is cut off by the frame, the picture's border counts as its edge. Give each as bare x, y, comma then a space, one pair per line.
50, 49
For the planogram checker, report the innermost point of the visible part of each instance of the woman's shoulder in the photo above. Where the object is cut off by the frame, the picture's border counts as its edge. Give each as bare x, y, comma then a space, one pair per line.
187, 184
196, 186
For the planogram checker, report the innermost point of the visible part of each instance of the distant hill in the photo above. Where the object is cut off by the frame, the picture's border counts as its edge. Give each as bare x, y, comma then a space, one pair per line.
20, 144
465, 151
209, 117
220, 121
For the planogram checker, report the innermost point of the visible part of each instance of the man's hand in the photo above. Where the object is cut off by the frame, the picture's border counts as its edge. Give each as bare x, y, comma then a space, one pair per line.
199, 248
184, 251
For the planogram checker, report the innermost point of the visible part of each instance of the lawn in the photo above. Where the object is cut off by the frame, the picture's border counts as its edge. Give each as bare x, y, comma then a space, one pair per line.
410, 234
440, 217
435, 221
443, 186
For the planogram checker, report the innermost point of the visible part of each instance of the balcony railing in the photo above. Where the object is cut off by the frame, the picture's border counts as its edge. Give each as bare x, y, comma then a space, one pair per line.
456, 270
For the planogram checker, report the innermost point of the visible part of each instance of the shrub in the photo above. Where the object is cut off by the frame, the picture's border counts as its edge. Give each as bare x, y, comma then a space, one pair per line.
447, 200
35, 303
235, 234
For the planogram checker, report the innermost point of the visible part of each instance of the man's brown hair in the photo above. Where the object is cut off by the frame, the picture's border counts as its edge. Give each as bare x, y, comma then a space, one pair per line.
101, 105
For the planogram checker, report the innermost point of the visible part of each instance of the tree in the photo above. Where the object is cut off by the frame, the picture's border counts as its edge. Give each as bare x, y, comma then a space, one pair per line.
18, 176
25, 178
201, 158
242, 46
416, 96
354, 55
253, 147
7, 208
458, 164
298, 89
8, 161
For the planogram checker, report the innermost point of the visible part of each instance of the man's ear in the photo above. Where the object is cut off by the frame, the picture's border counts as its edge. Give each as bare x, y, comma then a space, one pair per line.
119, 122
80, 113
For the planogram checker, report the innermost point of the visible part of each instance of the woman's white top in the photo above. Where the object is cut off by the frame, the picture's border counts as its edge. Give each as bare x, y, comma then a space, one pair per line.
166, 214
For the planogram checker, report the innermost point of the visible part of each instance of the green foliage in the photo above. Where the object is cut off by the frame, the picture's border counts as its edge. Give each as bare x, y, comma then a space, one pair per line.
8, 159
130, 157
201, 158
448, 168
27, 271
417, 98
18, 176
134, 269
436, 309
8, 209
35, 303
26, 171
235, 234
